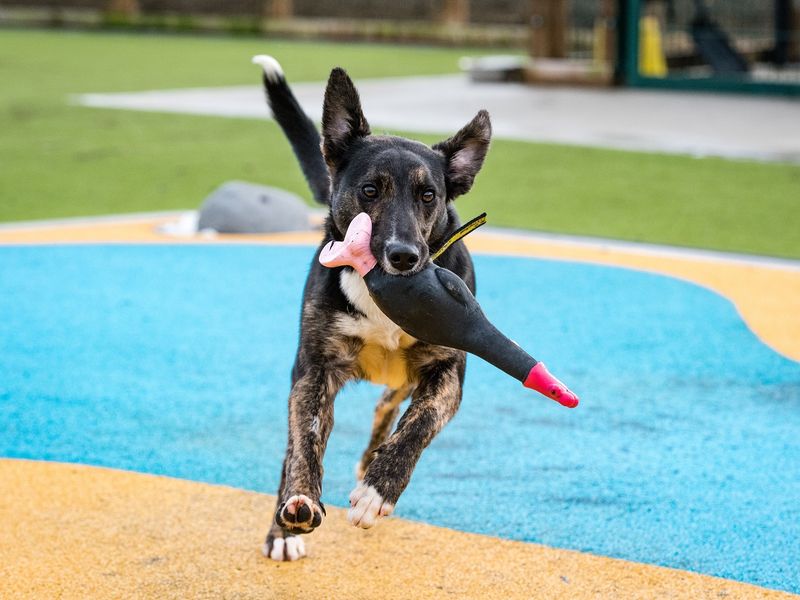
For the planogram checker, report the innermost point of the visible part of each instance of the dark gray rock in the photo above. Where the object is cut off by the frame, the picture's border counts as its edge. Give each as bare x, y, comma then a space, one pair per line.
240, 207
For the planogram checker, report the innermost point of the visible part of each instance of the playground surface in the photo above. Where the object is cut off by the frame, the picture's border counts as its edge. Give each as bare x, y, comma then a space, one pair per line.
127, 349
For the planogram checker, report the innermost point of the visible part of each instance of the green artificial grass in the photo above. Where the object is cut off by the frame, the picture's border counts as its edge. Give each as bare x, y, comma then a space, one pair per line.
59, 160
737, 206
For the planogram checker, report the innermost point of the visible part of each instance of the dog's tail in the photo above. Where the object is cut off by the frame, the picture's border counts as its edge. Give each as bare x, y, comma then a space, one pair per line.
298, 128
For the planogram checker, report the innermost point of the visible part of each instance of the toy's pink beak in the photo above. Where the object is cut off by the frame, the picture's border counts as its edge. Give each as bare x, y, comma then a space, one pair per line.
354, 251
544, 382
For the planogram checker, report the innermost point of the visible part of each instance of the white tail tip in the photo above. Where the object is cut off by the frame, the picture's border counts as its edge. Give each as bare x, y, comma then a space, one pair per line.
272, 68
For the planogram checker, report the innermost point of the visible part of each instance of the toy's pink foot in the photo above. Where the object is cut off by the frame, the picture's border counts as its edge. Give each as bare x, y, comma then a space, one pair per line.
541, 380
354, 251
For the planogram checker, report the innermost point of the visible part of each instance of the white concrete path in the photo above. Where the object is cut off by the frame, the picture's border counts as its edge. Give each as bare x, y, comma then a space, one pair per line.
732, 126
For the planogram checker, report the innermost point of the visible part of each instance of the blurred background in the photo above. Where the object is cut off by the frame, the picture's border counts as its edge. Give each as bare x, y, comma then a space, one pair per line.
664, 121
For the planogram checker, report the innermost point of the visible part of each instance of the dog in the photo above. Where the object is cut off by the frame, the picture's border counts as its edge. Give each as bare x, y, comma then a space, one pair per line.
407, 188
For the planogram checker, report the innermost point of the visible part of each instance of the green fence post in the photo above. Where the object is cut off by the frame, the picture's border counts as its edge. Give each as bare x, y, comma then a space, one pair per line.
629, 10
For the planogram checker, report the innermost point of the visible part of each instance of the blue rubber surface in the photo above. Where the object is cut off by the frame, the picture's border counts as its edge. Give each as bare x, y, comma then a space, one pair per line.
685, 450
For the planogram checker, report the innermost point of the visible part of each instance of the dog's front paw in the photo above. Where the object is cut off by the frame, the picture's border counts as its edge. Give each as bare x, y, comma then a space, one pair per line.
282, 547
367, 506
299, 514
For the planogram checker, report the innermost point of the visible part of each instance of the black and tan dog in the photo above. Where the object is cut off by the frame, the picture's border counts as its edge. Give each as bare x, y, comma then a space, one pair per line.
407, 188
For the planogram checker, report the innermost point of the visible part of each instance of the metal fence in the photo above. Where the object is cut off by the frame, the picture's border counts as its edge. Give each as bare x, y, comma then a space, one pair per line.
735, 45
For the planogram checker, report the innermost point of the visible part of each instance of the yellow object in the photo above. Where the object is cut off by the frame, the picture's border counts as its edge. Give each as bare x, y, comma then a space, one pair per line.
652, 62
71, 531
600, 44
460, 233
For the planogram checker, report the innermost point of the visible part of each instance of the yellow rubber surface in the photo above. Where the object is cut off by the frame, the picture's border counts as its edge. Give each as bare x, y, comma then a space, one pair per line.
71, 531
84, 532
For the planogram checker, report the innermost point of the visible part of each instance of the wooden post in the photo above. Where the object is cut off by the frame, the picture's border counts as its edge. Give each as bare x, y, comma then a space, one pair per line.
548, 28
537, 38
455, 12
559, 17
609, 16
278, 9
127, 8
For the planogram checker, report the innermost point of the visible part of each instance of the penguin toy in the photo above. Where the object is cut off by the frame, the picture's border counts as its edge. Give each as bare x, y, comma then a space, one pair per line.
435, 306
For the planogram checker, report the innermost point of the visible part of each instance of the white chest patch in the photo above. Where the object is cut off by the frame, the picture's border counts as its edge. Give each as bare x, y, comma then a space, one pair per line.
382, 358
374, 327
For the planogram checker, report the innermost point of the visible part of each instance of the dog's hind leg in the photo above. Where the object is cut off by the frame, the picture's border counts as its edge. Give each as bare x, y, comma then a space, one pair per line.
433, 403
385, 416
299, 509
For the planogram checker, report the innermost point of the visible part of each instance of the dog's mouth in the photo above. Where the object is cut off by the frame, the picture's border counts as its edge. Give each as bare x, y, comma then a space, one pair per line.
394, 271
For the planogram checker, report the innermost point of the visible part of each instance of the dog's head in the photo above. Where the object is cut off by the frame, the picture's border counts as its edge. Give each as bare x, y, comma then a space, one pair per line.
404, 186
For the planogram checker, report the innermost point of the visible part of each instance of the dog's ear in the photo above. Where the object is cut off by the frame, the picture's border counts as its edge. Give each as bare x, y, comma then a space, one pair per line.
465, 152
342, 119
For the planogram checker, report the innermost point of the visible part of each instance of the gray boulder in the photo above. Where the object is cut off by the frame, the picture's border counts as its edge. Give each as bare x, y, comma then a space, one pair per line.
240, 207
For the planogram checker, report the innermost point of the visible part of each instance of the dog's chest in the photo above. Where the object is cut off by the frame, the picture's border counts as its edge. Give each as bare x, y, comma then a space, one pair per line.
382, 359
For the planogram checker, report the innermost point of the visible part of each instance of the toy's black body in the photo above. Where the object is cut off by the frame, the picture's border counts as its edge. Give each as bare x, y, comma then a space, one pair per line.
419, 306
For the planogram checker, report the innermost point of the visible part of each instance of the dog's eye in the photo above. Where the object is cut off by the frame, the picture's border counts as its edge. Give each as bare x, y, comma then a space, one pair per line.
428, 195
370, 191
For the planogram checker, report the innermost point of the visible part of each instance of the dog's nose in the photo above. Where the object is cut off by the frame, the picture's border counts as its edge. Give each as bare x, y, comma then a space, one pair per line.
402, 256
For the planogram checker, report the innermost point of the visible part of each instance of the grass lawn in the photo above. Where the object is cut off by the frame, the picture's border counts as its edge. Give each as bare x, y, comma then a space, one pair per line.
58, 160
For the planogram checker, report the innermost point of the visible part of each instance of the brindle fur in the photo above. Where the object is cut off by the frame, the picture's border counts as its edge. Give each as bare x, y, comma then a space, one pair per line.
328, 356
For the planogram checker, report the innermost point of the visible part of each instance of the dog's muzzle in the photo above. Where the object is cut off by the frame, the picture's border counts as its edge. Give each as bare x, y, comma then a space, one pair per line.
402, 257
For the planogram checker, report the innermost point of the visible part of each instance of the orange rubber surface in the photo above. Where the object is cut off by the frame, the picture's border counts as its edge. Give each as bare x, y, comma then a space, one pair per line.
73, 531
